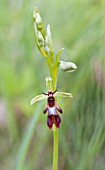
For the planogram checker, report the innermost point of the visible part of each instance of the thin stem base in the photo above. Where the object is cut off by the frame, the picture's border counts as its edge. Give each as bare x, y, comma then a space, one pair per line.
55, 148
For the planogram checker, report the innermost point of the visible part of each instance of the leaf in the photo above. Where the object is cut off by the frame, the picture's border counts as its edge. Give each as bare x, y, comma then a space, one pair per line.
38, 98
26, 140
58, 54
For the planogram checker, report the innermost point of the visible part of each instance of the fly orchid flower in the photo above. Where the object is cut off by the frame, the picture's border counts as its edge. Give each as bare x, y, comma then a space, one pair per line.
51, 106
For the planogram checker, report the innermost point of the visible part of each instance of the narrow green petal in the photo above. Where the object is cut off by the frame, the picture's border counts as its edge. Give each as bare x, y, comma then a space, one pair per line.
63, 94
38, 98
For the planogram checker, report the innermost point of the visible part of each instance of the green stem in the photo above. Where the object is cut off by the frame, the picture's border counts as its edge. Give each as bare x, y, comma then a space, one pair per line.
50, 86
54, 129
55, 148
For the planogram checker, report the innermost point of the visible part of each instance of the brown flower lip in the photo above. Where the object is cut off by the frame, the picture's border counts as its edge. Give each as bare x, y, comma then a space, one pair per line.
52, 107
53, 119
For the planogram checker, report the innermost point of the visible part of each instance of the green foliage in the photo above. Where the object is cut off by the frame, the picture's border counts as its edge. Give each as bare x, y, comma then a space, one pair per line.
27, 138
79, 27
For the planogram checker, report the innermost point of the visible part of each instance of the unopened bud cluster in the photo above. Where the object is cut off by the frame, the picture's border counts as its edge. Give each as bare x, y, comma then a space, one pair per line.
43, 39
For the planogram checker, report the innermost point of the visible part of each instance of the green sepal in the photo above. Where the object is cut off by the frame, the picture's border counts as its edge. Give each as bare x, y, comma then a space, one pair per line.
63, 94
38, 98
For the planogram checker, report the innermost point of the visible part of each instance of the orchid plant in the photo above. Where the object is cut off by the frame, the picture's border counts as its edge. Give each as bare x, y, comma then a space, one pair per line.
45, 46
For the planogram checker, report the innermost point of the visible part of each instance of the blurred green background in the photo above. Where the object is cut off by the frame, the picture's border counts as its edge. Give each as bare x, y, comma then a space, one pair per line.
25, 140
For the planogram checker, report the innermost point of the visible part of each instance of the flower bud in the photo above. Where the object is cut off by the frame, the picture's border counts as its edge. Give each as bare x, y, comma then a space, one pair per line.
35, 12
48, 41
47, 49
38, 18
38, 21
48, 31
40, 38
67, 66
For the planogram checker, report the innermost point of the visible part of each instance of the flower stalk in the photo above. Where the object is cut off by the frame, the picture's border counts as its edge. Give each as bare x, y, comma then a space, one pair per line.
55, 148
45, 46
55, 131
